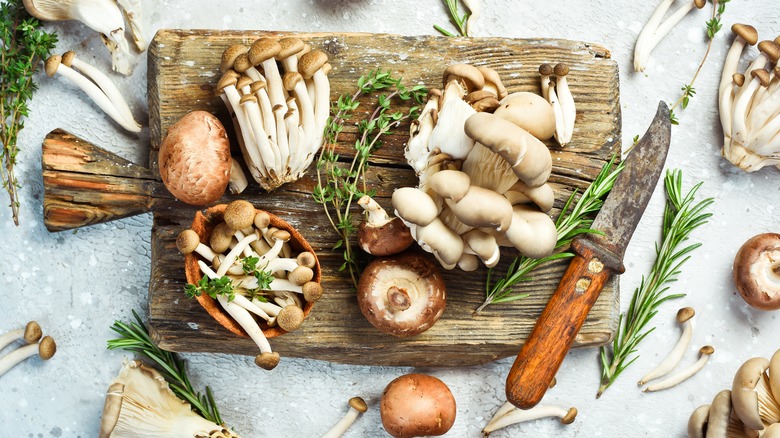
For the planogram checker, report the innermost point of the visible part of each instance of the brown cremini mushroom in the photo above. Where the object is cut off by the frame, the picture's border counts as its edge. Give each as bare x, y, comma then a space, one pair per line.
402, 295
378, 233
757, 271
194, 159
416, 405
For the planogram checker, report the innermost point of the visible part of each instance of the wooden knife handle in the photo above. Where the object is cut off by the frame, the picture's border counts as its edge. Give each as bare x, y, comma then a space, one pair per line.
555, 330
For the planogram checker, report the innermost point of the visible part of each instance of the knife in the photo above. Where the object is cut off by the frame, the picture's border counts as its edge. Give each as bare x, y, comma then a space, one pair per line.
597, 257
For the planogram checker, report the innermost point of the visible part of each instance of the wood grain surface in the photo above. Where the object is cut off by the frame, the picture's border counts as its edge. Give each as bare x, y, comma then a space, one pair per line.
183, 69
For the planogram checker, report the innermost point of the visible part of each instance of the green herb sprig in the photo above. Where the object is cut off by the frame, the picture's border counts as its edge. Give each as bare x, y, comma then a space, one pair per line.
574, 219
211, 287
264, 278
340, 182
714, 25
134, 337
682, 215
24, 45
457, 19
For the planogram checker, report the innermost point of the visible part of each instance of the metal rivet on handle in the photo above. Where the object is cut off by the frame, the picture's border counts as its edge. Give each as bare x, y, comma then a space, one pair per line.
582, 285
595, 266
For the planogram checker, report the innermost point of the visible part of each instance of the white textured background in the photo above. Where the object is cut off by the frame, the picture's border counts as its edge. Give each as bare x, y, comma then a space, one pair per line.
77, 283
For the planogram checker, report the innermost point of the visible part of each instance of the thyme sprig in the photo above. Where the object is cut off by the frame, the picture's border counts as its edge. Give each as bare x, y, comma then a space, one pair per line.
134, 337
340, 182
456, 18
682, 215
264, 278
714, 25
23, 44
575, 219
211, 287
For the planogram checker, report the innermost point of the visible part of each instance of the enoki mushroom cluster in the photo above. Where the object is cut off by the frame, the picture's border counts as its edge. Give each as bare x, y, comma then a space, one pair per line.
482, 170
278, 95
250, 269
749, 103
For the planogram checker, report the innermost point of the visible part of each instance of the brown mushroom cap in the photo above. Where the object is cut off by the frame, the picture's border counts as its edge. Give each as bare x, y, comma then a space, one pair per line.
194, 159
239, 214
389, 238
220, 237
762, 76
187, 241
358, 404
229, 56
267, 361
545, 69
771, 49
289, 46
561, 69
263, 49
47, 348
312, 291
757, 271
290, 318
68, 57
51, 64
747, 32
311, 62
290, 79
306, 259
530, 112
468, 75
300, 275
738, 78
699, 3
416, 405
402, 295
32, 332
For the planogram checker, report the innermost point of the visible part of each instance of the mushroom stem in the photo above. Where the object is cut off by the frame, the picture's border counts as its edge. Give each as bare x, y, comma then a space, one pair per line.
515, 416
45, 349
503, 410
475, 10
231, 256
568, 109
376, 214
684, 316
730, 65
398, 299
238, 181
560, 125
646, 34
684, 374
268, 153
31, 333
742, 103
131, 9
106, 85
245, 320
356, 407
545, 71
54, 66
249, 151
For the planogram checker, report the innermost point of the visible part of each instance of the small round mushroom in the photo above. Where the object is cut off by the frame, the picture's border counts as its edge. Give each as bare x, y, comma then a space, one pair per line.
45, 349
31, 333
290, 318
194, 159
189, 242
379, 234
239, 214
402, 295
757, 271
312, 291
416, 405
357, 406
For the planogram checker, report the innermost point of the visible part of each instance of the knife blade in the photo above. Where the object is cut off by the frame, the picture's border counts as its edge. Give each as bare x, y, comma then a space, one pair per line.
597, 257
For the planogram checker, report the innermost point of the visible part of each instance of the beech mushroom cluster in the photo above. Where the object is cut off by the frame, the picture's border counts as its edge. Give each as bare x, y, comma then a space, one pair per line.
482, 172
278, 95
656, 29
757, 271
106, 17
555, 88
96, 85
139, 403
34, 345
251, 270
750, 409
749, 103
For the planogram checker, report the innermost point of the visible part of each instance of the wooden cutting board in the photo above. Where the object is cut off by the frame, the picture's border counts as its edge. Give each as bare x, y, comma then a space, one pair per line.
183, 69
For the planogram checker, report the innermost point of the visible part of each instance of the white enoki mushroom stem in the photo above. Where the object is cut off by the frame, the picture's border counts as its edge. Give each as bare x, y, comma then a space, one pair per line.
515, 416
356, 407
684, 316
560, 126
503, 410
568, 108
684, 374
108, 87
269, 155
231, 256
475, 10
245, 320
98, 96
249, 146
247, 251
740, 109
264, 101
321, 108
640, 55
46, 349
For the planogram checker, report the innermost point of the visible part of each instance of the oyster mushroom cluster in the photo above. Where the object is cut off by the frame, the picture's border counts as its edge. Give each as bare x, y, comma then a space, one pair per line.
482, 169
109, 18
278, 95
252, 270
749, 103
750, 409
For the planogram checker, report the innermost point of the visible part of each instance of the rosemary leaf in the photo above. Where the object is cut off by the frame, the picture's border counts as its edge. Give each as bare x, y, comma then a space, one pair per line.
134, 337
682, 215
574, 219
458, 20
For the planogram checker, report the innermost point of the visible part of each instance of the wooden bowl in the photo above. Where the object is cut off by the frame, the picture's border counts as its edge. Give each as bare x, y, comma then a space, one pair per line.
202, 225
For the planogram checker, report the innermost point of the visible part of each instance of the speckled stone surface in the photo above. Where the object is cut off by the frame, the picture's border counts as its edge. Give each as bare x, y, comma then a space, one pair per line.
77, 283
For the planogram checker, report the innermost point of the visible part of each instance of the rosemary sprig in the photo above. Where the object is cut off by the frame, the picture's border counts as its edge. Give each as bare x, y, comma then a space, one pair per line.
681, 216
339, 183
457, 19
134, 337
574, 219
713, 27
22, 46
